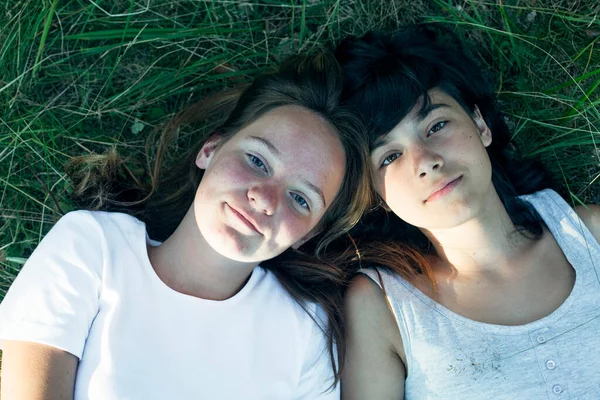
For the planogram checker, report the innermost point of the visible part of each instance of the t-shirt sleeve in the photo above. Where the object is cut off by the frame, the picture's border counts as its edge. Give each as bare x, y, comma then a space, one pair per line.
317, 375
54, 299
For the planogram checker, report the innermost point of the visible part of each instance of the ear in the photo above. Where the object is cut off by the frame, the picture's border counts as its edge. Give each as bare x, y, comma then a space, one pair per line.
484, 131
206, 153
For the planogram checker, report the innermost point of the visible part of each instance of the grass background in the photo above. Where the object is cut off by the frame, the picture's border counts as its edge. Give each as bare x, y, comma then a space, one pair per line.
82, 76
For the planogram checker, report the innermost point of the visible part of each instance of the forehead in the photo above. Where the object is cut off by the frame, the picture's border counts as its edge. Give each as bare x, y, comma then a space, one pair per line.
292, 128
306, 146
436, 99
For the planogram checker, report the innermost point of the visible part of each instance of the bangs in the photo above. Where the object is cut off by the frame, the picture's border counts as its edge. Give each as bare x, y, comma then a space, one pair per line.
385, 76
386, 99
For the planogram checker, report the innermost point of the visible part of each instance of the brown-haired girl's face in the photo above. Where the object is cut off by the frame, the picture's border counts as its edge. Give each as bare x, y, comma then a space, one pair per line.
265, 189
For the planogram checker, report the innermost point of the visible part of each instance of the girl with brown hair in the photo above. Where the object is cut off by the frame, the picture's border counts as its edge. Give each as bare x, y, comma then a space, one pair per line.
209, 283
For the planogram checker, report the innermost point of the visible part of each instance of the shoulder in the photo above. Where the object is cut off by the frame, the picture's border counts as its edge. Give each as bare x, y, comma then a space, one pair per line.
109, 220
363, 289
547, 198
368, 312
590, 215
365, 305
265, 285
77, 218
377, 286
305, 322
98, 219
84, 238
299, 325
71, 231
268, 293
365, 302
374, 363
76, 237
110, 225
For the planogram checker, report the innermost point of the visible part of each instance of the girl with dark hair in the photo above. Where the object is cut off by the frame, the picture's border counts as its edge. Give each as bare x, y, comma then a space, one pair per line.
482, 282
236, 303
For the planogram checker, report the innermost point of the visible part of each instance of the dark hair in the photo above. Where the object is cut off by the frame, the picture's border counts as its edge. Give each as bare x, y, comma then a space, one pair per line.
386, 75
312, 82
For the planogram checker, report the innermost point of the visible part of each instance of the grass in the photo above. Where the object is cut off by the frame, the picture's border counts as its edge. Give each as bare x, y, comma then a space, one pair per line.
82, 76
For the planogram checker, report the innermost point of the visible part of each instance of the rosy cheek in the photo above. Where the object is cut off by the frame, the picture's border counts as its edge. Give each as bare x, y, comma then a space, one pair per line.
233, 171
292, 226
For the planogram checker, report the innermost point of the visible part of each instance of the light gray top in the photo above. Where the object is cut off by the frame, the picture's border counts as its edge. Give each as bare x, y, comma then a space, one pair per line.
557, 357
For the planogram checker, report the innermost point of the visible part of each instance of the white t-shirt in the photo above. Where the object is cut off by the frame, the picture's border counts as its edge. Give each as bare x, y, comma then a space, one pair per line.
89, 289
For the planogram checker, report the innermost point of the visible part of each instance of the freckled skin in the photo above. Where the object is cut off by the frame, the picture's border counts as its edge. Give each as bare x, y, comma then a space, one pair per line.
309, 149
457, 149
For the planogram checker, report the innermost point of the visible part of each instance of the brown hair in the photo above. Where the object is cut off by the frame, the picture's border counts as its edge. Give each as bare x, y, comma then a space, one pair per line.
312, 82
360, 250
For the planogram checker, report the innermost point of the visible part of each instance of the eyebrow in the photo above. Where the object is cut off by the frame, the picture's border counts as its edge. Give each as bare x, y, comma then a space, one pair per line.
316, 190
267, 144
379, 142
425, 111
276, 152
421, 115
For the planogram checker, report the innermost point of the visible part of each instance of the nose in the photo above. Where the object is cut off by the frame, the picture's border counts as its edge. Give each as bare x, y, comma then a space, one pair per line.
426, 161
263, 198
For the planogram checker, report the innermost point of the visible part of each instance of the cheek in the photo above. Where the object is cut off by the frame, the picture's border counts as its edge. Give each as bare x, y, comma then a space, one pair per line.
392, 185
401, 198
292, 227
468, 146
483, 173
226, 172
474, 156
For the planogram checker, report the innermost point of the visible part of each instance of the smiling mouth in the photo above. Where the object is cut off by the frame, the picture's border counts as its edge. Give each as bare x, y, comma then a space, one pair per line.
245, 221
444, 190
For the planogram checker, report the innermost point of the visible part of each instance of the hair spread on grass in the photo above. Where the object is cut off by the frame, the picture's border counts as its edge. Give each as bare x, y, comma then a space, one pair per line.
386, 76
103, 182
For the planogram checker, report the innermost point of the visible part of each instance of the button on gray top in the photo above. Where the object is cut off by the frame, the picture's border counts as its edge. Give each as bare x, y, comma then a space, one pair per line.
541, 339
557, 389
550, 364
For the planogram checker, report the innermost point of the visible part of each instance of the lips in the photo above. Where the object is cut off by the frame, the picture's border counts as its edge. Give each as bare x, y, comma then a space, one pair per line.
244, 218
443, 189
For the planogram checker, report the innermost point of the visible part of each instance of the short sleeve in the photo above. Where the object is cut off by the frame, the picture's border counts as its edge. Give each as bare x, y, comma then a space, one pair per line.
317, 373
54, 299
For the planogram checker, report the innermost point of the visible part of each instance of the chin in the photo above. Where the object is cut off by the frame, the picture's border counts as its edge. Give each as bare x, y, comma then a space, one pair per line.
449, 217
232, 246
239, 255
449, 221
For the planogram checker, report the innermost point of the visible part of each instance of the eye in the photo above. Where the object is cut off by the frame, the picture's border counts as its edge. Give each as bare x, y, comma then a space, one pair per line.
390, 159
257, 162
437, 127
300, 201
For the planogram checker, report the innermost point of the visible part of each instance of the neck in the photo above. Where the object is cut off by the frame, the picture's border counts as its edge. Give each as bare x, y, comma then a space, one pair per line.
187, 264
487, 243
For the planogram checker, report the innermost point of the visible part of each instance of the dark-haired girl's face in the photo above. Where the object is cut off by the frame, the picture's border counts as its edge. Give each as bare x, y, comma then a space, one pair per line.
432, 169
265, 189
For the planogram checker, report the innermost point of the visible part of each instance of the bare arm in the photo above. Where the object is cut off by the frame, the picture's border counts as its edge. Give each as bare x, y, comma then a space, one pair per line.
590, 215
373, 369
32, 371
